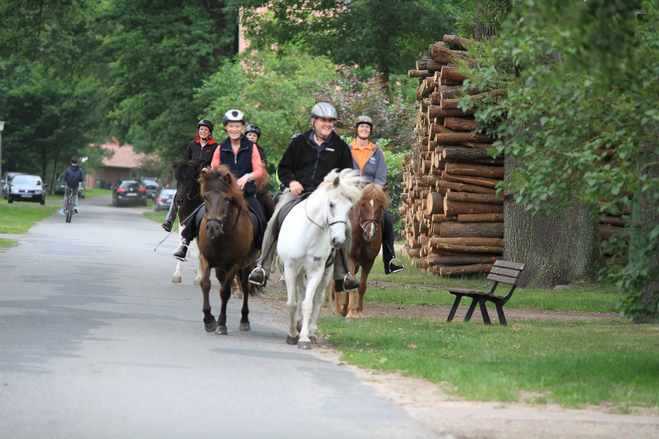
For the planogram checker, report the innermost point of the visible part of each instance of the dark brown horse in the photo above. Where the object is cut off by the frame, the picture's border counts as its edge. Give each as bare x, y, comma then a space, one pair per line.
366, 244
225, 243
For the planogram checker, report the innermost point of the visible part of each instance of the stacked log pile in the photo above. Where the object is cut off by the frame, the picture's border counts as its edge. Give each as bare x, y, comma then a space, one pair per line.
452, 216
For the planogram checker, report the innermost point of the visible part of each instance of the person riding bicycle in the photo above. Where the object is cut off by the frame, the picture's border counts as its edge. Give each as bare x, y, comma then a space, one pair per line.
244, 161
73, 177
201, 148
308, 159
369, 160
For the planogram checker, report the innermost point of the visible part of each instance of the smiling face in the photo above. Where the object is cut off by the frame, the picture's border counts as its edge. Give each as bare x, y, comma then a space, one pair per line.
234, 130
204, 132
252, 137
323, 127
363, 130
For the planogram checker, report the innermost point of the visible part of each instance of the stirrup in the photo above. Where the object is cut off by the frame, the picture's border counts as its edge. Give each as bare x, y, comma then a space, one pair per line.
401, 266
258, 282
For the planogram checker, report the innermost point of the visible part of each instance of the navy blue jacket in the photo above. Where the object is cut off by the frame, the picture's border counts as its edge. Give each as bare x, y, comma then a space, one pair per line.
241, 163
74, 176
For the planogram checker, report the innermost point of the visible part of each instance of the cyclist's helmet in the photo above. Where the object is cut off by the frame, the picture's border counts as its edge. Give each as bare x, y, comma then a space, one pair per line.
252, 128
205, 123
323, 109
233, 116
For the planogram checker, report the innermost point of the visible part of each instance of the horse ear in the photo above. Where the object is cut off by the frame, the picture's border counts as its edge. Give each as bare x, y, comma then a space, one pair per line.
227, 178
336, 182
386, 188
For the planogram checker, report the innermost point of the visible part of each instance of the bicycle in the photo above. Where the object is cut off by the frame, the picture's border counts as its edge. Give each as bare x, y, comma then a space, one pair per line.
69, 203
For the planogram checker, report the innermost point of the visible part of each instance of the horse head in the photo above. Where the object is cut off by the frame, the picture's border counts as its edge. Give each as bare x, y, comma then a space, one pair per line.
220, 192
344, 190
370, 209
186, 173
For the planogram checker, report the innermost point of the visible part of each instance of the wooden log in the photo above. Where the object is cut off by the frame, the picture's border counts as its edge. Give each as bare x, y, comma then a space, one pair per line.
452, 73
448, 104
608, 230
479, 181
442, 52
435, 111
475, 198
614, 221
417, 73
431, 66
439, 128
441, 217
470, 248
462, 187
454, 208
465, 269
471, 230
447, 139
475, 170
464, 155
420, 263
460, 124
413, 252
477, 145
491, 242
480, 217
459, 42
461, 260
434, 203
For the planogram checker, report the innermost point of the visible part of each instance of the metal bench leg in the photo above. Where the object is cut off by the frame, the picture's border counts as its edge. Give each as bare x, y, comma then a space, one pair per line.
472, 307
502, 318
454, 308
486, 316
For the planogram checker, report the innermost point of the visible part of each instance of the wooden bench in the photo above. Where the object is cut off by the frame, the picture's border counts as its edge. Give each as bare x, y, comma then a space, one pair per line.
502, 272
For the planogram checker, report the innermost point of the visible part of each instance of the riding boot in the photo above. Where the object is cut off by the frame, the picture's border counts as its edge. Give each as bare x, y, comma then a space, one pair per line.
345, 282
388, 252
182, 251
171, 216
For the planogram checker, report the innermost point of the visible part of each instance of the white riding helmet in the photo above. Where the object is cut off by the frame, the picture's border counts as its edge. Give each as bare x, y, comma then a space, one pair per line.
233, 116
323, 109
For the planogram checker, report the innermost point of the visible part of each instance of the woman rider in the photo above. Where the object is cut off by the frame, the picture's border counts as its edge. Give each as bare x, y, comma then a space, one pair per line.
253, 133
368, 159
244, 161
201, 148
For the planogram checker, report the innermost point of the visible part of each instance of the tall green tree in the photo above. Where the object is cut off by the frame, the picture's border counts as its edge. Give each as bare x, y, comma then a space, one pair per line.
388, 35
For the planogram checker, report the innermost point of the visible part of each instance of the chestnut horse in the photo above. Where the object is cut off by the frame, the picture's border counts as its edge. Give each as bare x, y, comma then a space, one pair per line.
366, 244
225, 243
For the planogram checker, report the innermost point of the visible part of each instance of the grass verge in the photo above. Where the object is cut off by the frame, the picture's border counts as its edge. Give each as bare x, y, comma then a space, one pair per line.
572, 364
19, 217
158, 217
92, 193
4, 243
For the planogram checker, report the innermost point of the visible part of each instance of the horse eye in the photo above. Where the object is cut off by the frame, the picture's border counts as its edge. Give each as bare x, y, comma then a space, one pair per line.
331, 205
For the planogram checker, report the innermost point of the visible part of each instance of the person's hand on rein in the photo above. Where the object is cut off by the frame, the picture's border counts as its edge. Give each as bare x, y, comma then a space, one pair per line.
296, 188
242, 181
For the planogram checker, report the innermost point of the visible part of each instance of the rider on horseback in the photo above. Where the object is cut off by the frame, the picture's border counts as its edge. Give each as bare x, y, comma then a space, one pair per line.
201, 148
244, 160
307, 160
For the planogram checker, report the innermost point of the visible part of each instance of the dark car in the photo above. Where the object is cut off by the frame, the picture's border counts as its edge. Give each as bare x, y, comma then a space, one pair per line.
151, 186
6, 179
164, 198
129, 192
60, 187
26, 188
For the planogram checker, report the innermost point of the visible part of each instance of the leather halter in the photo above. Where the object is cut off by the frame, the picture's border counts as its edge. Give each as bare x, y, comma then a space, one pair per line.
318, 225
363, 223
224, 217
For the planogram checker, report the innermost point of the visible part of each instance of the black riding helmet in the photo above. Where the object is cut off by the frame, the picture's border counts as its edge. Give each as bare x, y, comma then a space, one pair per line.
252, 128
206, 123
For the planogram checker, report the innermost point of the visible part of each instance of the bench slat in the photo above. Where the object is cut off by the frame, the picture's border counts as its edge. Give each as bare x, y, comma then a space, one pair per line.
507, 264
506, 272
502, 279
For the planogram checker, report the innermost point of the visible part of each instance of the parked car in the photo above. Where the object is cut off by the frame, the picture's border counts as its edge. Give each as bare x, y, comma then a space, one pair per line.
164, 198
26, 188
6, 179
151, 186
60, 187
129, 192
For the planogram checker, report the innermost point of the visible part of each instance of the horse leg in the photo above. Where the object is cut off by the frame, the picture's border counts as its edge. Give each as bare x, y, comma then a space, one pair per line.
209, 320
177, 274
313, 282
225, 295
318, 301
350, 295
244, 286
291, 305
301, 282
197, 279
366, 269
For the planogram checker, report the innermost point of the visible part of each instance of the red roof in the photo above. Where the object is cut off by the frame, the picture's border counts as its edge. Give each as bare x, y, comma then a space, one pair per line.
125, 157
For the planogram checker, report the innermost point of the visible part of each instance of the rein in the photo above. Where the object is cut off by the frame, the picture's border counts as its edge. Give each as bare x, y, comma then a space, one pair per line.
363, 223
224, 217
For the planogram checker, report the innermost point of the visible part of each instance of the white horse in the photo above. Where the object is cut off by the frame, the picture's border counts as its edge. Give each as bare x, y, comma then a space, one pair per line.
307, 236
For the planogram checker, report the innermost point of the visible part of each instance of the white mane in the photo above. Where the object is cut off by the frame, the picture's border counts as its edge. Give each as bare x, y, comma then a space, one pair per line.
350, 184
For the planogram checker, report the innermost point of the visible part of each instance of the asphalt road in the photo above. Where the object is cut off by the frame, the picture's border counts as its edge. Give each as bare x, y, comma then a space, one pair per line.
96, 342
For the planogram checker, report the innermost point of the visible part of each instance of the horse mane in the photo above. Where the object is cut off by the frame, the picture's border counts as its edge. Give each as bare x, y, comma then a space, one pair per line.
350, 184
180, 168
262, 181
375, 192
220, 179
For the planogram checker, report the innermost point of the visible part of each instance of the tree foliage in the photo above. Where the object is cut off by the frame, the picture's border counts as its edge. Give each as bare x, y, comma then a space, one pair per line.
588, 73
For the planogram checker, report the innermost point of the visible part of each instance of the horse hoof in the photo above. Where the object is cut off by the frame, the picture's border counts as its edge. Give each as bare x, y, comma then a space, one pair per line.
210, 327
176, 280
195, 282
313, 339
222, 330
304, 345
292, 340
244, 327
238, 296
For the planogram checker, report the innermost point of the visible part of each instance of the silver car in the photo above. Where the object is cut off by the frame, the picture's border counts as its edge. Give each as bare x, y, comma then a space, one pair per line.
27, 188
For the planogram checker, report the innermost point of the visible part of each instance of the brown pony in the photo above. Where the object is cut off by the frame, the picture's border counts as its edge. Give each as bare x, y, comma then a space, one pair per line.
225, 243
366, 244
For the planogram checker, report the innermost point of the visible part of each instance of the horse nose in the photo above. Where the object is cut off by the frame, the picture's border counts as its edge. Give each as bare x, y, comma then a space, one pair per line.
213, 230
338, 241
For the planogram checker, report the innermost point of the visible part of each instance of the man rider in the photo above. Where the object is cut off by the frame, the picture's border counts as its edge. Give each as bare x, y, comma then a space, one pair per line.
308, 159
201, 148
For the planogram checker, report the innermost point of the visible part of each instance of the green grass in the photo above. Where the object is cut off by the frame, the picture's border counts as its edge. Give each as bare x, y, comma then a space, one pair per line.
91, 193
4, 243
158, 217
19, 217
413, 286
572, 364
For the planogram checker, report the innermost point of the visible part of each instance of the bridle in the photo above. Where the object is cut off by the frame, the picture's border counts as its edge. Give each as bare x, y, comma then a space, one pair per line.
326, 221
364, 222
224, 217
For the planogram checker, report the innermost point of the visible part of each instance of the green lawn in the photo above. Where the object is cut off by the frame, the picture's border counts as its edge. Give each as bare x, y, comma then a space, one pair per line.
573, 364
19, 217
91, 193
4, 243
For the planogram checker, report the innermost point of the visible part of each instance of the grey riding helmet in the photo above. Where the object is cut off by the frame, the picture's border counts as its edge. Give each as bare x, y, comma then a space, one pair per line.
233, 116
363, 119
205, 123
325, 110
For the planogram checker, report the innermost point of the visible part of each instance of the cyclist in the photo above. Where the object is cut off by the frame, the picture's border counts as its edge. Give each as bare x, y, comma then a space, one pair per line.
73, 177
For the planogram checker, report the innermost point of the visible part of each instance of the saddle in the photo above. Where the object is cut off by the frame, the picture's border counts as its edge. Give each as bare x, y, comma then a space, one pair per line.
285, 210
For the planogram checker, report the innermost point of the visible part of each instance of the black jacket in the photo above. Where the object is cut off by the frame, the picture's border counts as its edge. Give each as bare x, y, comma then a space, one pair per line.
194, 151
74, 176
303, 163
